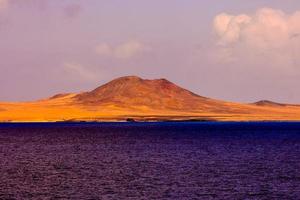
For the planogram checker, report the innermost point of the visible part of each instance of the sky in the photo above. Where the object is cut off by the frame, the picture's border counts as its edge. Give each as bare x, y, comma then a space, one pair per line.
235, 50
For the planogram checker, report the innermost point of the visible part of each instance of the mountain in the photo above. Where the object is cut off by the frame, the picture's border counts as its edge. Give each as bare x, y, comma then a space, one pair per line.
135, 99
158, 94
272, 104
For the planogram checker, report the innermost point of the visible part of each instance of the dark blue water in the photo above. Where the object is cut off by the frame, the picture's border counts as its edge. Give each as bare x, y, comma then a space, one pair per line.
150, 161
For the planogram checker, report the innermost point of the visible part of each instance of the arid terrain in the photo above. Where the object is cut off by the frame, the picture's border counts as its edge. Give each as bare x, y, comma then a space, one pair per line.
134, 99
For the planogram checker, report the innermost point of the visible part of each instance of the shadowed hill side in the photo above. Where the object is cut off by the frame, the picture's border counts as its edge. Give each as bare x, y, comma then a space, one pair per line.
58, 96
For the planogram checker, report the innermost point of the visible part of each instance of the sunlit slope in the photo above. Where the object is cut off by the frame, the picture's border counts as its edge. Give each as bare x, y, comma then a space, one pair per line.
139, 99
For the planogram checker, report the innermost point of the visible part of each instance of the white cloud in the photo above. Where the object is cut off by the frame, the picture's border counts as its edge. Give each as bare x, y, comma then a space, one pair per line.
129, 49
125, 50
228, 27
265, 27
265, 34
79, 70
104, 49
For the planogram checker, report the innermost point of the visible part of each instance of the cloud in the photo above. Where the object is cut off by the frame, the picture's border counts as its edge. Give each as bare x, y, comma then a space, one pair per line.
129, 49
228, 27
125, 50
104, 49
265, 34
79, 70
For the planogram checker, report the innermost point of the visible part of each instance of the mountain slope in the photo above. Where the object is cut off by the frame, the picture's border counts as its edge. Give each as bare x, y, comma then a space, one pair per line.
135, 98
158, 94
132, 91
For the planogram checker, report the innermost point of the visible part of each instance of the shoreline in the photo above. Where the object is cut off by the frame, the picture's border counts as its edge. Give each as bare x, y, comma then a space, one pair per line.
151, 122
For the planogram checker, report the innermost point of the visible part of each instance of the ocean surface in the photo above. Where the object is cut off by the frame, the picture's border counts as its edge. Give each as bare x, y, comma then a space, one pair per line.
187, 160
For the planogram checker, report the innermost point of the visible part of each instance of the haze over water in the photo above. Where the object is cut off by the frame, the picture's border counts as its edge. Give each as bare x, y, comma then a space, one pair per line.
150, 161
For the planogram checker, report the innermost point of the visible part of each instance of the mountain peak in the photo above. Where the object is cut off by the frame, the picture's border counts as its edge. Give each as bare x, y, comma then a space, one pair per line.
138, 79
128, 83
128, 78
130, 91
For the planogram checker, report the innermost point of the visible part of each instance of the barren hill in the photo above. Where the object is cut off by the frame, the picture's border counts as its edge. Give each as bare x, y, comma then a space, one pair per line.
140, 99
158, 94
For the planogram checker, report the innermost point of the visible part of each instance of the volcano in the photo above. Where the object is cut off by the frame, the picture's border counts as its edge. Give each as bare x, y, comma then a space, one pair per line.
158, 94
132, 98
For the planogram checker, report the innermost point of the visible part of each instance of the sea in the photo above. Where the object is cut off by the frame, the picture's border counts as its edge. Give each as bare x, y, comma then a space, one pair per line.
159, 160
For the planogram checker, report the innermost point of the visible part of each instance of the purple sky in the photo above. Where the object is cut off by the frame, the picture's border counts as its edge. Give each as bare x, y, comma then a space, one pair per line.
233, 50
